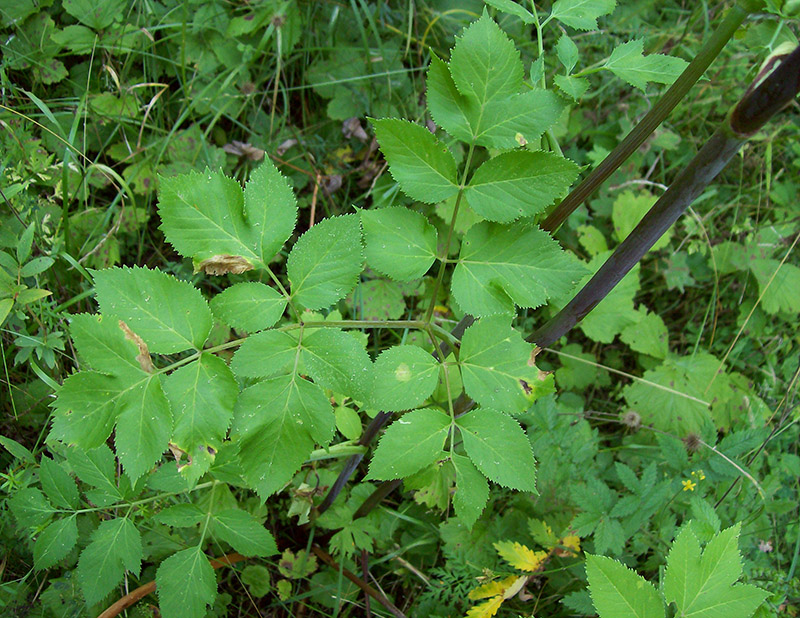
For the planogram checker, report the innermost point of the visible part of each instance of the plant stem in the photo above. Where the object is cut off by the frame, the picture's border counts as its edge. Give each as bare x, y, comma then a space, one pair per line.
653, 118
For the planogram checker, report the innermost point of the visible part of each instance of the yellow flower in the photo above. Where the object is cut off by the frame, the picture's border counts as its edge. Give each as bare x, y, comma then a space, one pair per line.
699, 475
688, 485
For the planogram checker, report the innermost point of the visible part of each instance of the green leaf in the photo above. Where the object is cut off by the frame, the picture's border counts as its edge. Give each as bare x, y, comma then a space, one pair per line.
276, 423
348, 422
85, 409
17, 450
581, 14
95, 467
567, 53
485, 64
501, 266
325, 263
399, 242
265, 354
420, 163
778, 285
704, 586
116, 547
30, 507
497, 368
102, 344
409, 444
472, 491
629, 63
648, 336
335, 360
186, 585
405, 376
573, 87
378, 299
25, 244
98, 15
144, 426
5, 308
170, 315
499, 448
249, 306
519, 184
55, 542
512, 8
59, 488
242, 532
628, 210
619, 592
207, 216
183, 515
449, 108
202, 395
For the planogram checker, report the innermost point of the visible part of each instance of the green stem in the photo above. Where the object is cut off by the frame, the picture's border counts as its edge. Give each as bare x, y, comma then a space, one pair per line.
345, 449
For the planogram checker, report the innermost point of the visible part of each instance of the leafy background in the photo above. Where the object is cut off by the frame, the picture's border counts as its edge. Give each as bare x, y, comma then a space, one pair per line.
104, 103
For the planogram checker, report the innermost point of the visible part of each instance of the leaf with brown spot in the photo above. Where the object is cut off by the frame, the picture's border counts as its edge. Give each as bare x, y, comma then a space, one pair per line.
224, 264
143, 357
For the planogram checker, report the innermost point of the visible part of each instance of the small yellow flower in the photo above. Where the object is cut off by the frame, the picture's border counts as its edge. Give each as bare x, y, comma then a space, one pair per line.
699, 475
688, 485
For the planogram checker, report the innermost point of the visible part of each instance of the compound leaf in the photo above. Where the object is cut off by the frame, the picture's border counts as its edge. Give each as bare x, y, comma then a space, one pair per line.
619, 592
420, 163
405, 376
55, 542
501, 266
628, 62
95, 467
265, 354
335, 360
249, 306
241, 531
399, 242
499, 448
116, 546
186, 584
325, 263
472, 491
519, 184
170, 315
409, 444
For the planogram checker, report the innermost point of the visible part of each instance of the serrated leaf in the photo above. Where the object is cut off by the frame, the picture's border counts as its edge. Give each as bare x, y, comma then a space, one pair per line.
527, 115
202, 395
242, 532
102, 344
487, 609
581, 14
85, 409
619, 592
170, 315
778, 284
704, 586
55, 542
144, 426
399, 242
183, 515
485, 64
519, 184
116, 546
405, 376
420, 163
249, 306
325, 263
17, 450
567, 53
409, 444
496, 366
378, 299
335, 360
629, 209
472, 491
629, 63
59, 488
208, 215
501, 266
519, 556
95, 467
573, 87
264, 354
648, 336
499, 448
30, 507
449, 108
512, 8
276, 423
186, 585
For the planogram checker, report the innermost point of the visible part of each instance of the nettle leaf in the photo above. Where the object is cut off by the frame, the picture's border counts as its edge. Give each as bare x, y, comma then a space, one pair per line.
472, 491
399, 242
102, 344
405, 376
499, 448
619, 592
186, 585
223, 229
336, 360
409, 444
519, 184
202, 395
276, 423
422, 166
581, 14
249, 306
501, 266
59, 488
55, 542
497, 368
324, 264
265, 354
629, 63
704, 586
241, 531
116, 547
168, 314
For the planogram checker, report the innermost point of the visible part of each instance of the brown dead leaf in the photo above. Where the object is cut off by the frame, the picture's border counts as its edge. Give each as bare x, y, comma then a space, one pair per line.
244, 149
145, 362
224, 264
